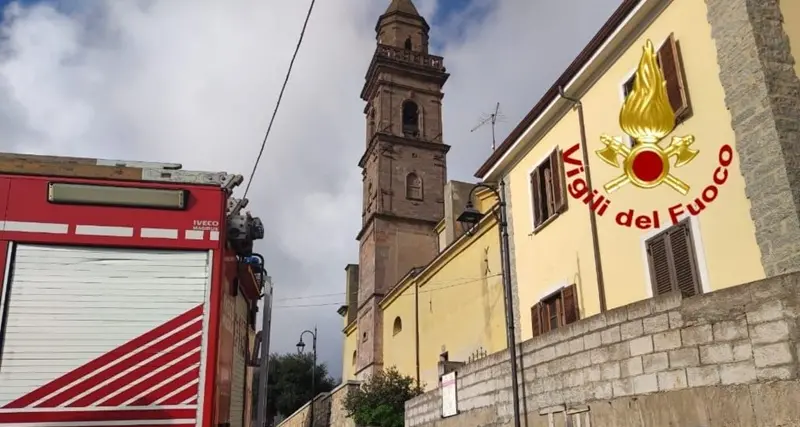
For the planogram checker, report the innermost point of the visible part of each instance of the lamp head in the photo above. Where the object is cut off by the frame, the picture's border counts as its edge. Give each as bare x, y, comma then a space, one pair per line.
470, 216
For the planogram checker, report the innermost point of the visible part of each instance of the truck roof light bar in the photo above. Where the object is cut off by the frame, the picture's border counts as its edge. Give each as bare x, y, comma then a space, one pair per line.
108, 195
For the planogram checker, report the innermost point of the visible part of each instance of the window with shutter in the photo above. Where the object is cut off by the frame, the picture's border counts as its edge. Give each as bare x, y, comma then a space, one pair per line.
559, 184
683, 259
536, 198
556, 310
548, 189
669, 59
536, 319
569, 298
673, 262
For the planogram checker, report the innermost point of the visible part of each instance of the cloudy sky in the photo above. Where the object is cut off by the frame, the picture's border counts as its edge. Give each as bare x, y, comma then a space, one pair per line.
195, 82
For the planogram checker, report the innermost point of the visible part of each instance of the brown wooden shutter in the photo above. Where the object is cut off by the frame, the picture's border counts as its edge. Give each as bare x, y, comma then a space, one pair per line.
684, 264
559, 187
536, 198
658, 256
549, 205
569, 300
670, 61
536, 319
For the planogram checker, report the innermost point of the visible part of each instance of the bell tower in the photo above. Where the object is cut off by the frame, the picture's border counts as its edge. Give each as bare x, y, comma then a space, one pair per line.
404, 168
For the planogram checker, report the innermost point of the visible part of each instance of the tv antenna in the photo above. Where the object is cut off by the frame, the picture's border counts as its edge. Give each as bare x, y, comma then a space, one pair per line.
493, 119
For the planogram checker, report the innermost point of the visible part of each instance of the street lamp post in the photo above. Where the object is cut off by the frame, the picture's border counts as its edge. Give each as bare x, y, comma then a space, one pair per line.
470, 218
300, 346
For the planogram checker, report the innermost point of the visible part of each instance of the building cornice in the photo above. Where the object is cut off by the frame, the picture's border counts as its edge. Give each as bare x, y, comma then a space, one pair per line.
380, 137
630, 17
406, 62
392, 217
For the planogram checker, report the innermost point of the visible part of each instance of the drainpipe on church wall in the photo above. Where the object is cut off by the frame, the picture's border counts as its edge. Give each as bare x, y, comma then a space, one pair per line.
416, 326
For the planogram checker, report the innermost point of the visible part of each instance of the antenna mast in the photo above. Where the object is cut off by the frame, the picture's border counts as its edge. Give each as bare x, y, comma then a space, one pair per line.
493, 119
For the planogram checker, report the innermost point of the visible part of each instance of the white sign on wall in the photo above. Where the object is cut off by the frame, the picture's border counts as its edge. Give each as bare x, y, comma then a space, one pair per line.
449, 397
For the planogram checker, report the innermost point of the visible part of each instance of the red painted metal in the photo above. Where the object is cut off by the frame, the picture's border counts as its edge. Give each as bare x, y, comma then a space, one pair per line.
28, 217
83, 377
24, 199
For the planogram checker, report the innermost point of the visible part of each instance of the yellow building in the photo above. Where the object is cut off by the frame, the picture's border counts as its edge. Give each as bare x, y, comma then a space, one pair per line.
451, 309
726, 84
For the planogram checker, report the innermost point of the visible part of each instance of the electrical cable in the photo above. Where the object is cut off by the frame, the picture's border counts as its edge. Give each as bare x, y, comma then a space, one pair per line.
440, 282
402, 295
278, 103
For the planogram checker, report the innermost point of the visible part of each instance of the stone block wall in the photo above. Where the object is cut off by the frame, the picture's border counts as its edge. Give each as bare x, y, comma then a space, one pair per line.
302, 416
734, 351
338, 416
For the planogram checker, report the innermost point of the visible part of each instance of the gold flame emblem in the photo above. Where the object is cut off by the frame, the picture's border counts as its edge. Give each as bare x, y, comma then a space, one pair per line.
647, 117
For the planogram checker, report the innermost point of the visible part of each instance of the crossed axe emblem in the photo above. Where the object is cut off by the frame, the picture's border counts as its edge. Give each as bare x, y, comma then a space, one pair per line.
647, 155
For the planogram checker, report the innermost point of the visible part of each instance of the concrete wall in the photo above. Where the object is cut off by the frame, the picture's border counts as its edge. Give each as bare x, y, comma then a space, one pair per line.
721, 359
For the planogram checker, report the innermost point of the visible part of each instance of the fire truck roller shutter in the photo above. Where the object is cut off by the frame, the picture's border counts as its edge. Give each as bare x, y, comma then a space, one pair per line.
103, 336
239, 362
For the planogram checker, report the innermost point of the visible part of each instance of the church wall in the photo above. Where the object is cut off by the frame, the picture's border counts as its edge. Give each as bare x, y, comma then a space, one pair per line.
349, 353
405, 246
368, 350
367, 267
428, 166
461, 308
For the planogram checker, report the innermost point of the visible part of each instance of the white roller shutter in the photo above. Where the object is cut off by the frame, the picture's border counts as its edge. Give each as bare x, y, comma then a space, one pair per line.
239, 362
69, 305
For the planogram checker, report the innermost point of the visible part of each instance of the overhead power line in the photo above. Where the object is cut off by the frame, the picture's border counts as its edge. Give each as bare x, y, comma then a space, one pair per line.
280, 97
436, 289
341, 294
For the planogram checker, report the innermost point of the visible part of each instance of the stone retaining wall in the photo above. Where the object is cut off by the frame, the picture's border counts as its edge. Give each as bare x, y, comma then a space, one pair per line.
732, 350
328, 410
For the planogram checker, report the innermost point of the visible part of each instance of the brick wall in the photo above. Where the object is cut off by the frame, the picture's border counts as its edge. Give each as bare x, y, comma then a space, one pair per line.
667, 361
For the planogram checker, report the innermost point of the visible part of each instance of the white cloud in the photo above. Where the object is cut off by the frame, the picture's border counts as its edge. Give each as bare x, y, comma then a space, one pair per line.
195, 81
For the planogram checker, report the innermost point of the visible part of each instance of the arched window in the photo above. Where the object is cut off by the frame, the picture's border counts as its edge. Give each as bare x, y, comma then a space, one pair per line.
410, 119
413, 186
354, 358
364, 336
398, 326
408, 44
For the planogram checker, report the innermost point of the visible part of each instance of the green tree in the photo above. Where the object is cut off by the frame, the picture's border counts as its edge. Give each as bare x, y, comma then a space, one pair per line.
289, 383
380, 400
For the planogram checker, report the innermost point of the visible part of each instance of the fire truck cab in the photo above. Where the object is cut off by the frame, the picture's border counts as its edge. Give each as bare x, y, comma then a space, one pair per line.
128, 297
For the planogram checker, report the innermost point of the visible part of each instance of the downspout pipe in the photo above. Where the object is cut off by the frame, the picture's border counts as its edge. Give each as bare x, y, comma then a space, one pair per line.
416, 327
598, 264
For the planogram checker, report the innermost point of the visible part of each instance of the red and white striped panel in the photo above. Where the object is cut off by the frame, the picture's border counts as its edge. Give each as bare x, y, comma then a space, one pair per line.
108, 231
150, 380
103, 337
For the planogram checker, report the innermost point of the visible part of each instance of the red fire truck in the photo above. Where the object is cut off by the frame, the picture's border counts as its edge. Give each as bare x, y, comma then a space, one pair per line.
128, 294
